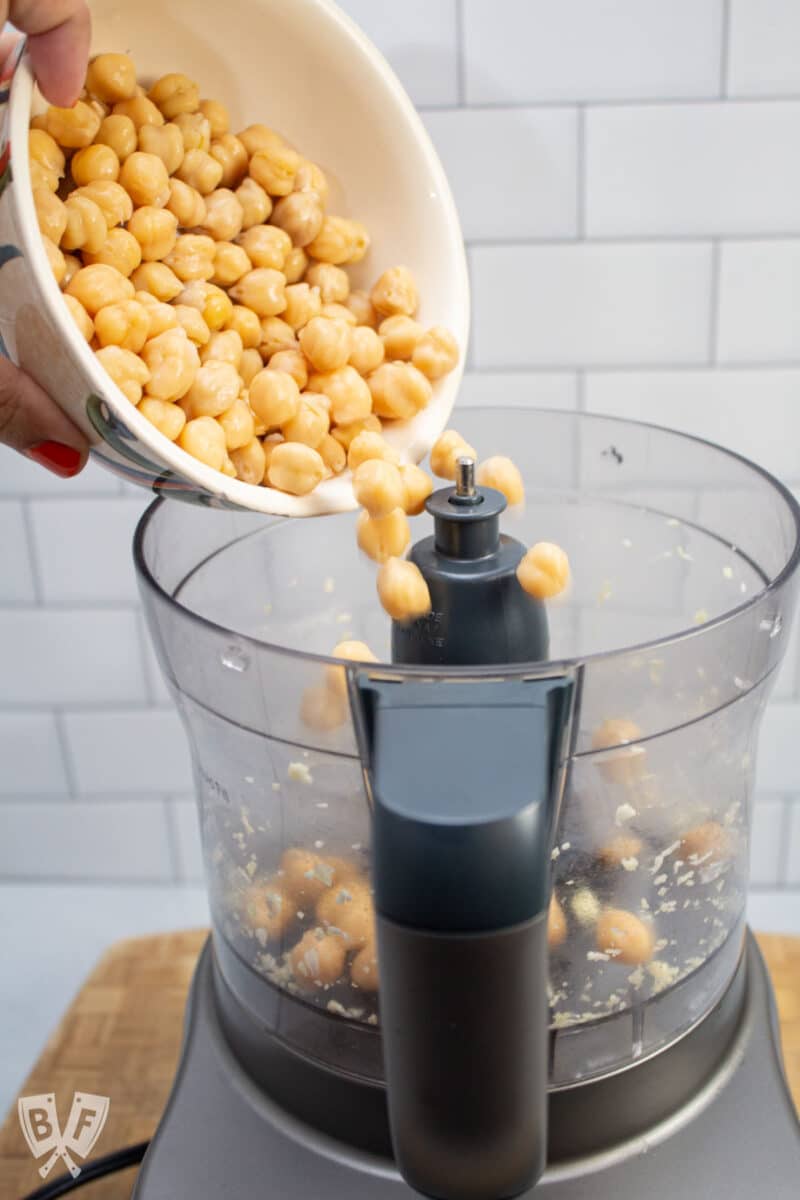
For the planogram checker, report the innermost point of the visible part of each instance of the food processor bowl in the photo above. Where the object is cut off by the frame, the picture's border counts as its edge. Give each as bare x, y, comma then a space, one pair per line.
683, 587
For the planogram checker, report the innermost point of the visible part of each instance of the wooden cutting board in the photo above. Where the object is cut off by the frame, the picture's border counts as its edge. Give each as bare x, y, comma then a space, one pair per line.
121, 1037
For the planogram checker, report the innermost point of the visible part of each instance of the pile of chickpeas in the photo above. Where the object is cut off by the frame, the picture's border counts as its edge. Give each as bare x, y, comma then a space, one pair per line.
203, 269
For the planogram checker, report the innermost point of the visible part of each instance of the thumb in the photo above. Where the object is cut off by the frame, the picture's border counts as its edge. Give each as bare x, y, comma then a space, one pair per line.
33, 424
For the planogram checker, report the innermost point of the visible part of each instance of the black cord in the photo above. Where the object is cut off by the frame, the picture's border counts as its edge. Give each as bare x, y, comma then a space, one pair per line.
131, 1156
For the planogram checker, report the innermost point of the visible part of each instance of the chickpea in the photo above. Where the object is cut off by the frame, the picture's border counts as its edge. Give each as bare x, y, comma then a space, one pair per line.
402, 590
120, 250
333, 454
55, 258
145, 179
436, 352
174, 94
293, 362
247, 325
347, 909
204, 439
73, 265
86, 226
80, 317
556, 923
125, 369
333, 282
223, 215
211, 301
322, 710
111, 198
447, 449
627, 763
73, 127
214, 388
218, 117
161, 316
383, 538
250, 462
156, 231
119, 134
237, 425
310, 423
361, 307
708, 842
296, 265
200, 171
338, 312
165, 142
368, 445
232, 157
276, 335
263, 290
45, 150
51, 214
350, 651
418, 487
294, 467
364, 969
345, 434
94, 162
399, 335
223, 347
173, 363
187, 204
624, 937
347, 391
619, 850
502, 474
195, 131
124, 324
158, 280
250, 366
138, 109
366, 351
266, 246
317, 960
256, 204
168, 419
42, 178
192, 257
300, 215
395, 293
378, 487
544, 571
267, 908
98, 285
302, 304
339, 240
191, 321
274, 397
274, 167
398, 390
326, 344
311, 177
111, 77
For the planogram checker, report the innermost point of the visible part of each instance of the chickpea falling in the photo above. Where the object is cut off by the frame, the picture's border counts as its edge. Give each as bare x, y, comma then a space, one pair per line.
153, 193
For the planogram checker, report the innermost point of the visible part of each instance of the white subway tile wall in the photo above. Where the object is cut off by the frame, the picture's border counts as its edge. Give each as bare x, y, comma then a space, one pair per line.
628, 181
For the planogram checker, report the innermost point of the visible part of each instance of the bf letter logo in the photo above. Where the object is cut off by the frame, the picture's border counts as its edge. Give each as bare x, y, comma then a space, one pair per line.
39, 1121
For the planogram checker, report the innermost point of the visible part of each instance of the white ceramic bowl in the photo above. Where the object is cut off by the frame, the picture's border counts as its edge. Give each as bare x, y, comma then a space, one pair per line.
304, 68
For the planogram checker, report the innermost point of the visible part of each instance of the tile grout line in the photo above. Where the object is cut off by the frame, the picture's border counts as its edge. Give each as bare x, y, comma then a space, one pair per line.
643, 102
580, 173
714, 302
724, 57
461, 55
33, 555
643, 240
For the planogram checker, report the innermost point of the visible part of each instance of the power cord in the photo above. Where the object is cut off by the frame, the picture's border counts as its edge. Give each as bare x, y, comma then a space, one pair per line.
131, 1156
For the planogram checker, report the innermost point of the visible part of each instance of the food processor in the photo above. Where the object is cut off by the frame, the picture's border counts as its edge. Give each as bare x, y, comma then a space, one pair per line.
478, 905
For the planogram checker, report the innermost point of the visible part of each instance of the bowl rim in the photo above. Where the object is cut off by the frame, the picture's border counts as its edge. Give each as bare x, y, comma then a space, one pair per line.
256, 498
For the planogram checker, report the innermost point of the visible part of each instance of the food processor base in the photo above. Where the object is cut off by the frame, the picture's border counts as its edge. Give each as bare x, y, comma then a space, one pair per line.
222, 1136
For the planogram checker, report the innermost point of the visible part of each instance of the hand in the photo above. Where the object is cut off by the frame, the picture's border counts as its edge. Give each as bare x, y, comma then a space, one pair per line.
58, 42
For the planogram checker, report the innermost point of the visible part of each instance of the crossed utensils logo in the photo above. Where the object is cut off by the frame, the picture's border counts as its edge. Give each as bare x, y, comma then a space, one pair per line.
39, 1121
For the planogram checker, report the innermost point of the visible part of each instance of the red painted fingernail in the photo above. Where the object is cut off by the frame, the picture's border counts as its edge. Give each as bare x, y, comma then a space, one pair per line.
62, 460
